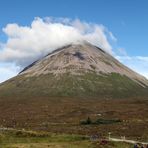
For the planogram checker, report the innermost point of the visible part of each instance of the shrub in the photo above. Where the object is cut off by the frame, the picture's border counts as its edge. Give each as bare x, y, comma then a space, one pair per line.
87, 121
99, 121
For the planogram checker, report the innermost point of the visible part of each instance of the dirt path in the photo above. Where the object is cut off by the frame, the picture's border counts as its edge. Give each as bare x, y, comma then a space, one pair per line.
128, 141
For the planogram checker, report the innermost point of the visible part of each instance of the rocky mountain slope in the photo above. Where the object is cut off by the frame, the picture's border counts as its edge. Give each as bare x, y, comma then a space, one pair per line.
77, 70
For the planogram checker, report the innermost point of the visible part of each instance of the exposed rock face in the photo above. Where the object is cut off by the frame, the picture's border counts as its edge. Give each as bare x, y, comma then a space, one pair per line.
78, 59
76, 70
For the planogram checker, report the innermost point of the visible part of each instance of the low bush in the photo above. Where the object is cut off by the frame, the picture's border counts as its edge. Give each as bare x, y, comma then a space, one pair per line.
99, 121
87, 121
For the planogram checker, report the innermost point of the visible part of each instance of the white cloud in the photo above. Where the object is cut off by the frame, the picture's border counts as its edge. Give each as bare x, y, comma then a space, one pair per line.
112, 36
137, 63
28, 43
7, 71
122, 51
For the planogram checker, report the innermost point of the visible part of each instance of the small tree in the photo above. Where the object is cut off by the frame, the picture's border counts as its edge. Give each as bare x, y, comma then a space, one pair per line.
88, 121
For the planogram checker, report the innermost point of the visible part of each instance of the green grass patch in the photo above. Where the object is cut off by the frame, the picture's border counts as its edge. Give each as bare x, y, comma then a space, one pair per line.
85, 85
33, 139
23, 136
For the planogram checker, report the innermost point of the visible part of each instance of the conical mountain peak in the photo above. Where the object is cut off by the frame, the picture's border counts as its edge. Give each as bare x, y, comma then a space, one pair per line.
77, 70
77, 59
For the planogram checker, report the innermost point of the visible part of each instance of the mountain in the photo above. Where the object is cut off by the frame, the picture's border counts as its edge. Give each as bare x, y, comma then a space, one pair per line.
76, 70
71, 84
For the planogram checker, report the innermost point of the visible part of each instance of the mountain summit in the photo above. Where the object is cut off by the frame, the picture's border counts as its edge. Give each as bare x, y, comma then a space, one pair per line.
76, 70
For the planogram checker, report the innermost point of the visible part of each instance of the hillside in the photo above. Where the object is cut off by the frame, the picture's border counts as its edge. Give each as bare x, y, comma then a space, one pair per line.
77, 81
77, 70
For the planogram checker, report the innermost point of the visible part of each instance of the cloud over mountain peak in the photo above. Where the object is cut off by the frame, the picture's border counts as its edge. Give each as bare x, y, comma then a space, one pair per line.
28, 43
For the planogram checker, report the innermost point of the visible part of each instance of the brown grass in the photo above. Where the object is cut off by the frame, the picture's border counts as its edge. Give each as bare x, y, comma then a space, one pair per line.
63, 115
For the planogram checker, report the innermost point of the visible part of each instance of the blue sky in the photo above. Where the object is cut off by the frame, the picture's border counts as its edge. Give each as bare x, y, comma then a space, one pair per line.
126, 19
